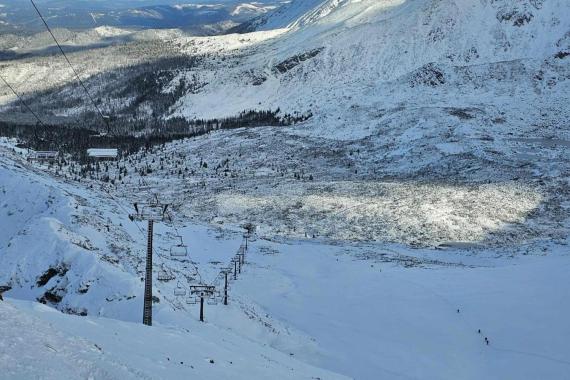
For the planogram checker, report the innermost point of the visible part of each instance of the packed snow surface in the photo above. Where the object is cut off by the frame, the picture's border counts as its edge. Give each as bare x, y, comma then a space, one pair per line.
38, 342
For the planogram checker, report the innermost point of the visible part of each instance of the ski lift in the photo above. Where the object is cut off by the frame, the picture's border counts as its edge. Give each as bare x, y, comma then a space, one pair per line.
179, 291
152, 210
212, 301
192, 300
165, 276
179, 250
102, 151
202, 291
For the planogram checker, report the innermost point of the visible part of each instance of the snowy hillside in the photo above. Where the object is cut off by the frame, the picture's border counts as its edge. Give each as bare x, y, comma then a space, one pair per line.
408, 100
38, 342
363, 310
405, 164
371, 48
74, 249
282, 17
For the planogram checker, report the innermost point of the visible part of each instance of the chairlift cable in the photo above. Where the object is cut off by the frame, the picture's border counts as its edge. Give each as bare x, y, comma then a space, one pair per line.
200, 279
73, 69
191, 263
143, 233
136, 223
22, 101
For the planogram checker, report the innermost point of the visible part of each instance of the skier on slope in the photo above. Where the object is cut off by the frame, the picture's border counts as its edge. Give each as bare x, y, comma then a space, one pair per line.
4, 289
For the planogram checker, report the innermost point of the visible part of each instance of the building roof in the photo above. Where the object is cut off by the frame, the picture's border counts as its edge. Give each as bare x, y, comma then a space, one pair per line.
102, 153
45, 153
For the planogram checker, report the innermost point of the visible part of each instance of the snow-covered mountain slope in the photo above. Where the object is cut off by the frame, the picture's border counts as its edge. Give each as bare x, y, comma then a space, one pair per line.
54, 248
342, 60
252, 9
282, 17
39, 342
364, 310
351, 48
73, 248
456, 93
436, 123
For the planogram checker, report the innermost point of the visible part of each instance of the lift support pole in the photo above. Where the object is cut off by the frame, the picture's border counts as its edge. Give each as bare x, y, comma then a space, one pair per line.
151, 212
147, 309
202, 292
226, 288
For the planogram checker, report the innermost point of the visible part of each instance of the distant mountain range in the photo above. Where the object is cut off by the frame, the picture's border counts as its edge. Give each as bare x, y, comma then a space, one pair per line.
20, 17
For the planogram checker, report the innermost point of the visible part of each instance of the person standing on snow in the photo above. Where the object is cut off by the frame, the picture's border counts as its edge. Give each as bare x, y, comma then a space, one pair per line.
4, 289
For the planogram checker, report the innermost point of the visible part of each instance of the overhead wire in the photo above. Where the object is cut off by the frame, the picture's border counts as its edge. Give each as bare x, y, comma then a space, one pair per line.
195, 267
105, 121
141, 230
22, 101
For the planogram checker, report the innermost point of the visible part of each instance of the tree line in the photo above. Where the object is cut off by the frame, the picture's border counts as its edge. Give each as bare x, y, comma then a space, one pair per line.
135, 134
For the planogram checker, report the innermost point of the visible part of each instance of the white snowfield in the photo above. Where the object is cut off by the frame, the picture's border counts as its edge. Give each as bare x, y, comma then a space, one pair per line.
367, 310
41, 343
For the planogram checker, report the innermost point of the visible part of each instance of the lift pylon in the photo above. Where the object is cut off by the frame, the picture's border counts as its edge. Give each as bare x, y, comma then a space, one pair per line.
203, 292
151, 211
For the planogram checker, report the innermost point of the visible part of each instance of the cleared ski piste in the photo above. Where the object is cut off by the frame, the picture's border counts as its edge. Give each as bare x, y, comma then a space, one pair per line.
387, 321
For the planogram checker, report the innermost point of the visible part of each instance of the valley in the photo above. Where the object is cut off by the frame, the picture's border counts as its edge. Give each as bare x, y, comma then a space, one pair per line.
402, 164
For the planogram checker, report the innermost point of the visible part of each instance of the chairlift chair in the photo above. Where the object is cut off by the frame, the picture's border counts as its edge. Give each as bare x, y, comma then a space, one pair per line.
212, 301
179, 291
163, 275
152, 210
192, 300
179, 250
